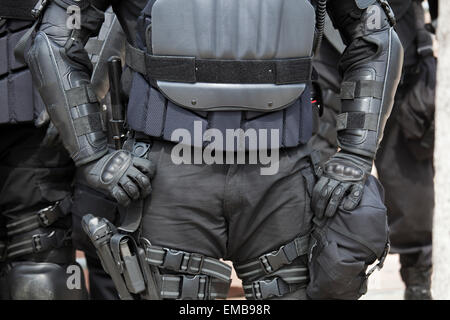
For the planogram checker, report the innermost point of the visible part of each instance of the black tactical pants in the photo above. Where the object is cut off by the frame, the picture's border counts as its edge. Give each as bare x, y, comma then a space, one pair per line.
229, 211
409, 187
34, 177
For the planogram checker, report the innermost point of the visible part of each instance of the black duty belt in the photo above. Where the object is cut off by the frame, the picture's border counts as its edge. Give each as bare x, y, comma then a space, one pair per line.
192, 69
17, 9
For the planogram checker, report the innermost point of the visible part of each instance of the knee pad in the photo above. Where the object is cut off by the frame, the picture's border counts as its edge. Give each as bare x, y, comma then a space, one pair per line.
43, 281
343, 247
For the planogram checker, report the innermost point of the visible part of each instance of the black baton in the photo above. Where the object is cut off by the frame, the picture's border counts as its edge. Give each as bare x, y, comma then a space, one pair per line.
118, 112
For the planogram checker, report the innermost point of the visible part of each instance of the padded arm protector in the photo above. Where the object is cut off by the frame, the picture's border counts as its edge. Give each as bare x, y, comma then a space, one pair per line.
371, 67
61, 71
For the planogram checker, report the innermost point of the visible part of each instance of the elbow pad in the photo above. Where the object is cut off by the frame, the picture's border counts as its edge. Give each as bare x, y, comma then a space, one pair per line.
64, 84
371, 67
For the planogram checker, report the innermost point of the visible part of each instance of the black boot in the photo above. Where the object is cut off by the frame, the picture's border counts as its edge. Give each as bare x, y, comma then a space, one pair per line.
418, 283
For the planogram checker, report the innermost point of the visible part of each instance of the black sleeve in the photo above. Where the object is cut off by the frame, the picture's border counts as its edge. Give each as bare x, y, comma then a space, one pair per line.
371, 67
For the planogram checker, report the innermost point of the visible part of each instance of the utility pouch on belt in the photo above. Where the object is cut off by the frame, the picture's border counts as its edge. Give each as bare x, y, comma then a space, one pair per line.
344, 246
122, 259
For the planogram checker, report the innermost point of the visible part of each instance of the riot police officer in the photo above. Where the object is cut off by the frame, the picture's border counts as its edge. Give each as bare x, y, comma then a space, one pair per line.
405, 158
33, 154
217, 65
37, 257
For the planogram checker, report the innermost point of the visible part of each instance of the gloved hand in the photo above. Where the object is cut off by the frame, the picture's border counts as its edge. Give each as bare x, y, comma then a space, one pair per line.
122, 175
341, 181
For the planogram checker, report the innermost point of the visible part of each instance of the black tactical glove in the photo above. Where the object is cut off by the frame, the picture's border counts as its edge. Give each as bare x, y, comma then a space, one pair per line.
342, 181
122, 175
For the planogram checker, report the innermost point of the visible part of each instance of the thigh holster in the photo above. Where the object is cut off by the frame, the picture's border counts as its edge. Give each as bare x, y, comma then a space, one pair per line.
38, 232
153, 272
197, 277
277, 273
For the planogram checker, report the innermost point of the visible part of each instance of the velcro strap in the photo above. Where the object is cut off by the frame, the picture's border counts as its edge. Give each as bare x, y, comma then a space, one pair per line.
191, 69
88, 124
37, 243
81, 95
17, 9
42, 218
360, 89
193, 287
191, 263
357, 120
271, 262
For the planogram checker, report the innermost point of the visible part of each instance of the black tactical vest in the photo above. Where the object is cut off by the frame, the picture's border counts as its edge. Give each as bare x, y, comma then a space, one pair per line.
19, 101
151, 112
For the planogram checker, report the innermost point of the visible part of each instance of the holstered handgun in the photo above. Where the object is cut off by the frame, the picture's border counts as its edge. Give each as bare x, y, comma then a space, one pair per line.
122, 259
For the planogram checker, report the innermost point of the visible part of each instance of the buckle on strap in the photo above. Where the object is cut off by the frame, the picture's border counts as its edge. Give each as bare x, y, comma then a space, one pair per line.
193, 288
183, 261
49, 215
173, 260
194, 263
274, 260
381, 261
264, 289
41, 242
36, 243
185, 287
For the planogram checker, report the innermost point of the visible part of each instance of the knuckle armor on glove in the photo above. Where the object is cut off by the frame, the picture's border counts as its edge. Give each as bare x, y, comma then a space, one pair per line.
342, 182
119, 174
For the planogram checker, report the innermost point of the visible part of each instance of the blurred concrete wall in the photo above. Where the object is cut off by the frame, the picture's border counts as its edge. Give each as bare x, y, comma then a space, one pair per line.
441, 233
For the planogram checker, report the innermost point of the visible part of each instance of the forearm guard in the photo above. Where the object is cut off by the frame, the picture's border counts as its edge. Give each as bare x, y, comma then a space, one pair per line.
62, 71
371, 67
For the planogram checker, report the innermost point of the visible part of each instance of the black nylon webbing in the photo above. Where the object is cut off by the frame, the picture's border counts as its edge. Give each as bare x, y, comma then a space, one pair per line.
42, 218
275, 287
37, 243
191, 69
81, 95
88, 124
360, 89
357, 120
272, 262
186, 262
17, 9
193, 288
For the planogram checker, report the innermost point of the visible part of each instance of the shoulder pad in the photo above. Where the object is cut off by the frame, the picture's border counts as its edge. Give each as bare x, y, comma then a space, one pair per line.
364, 4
